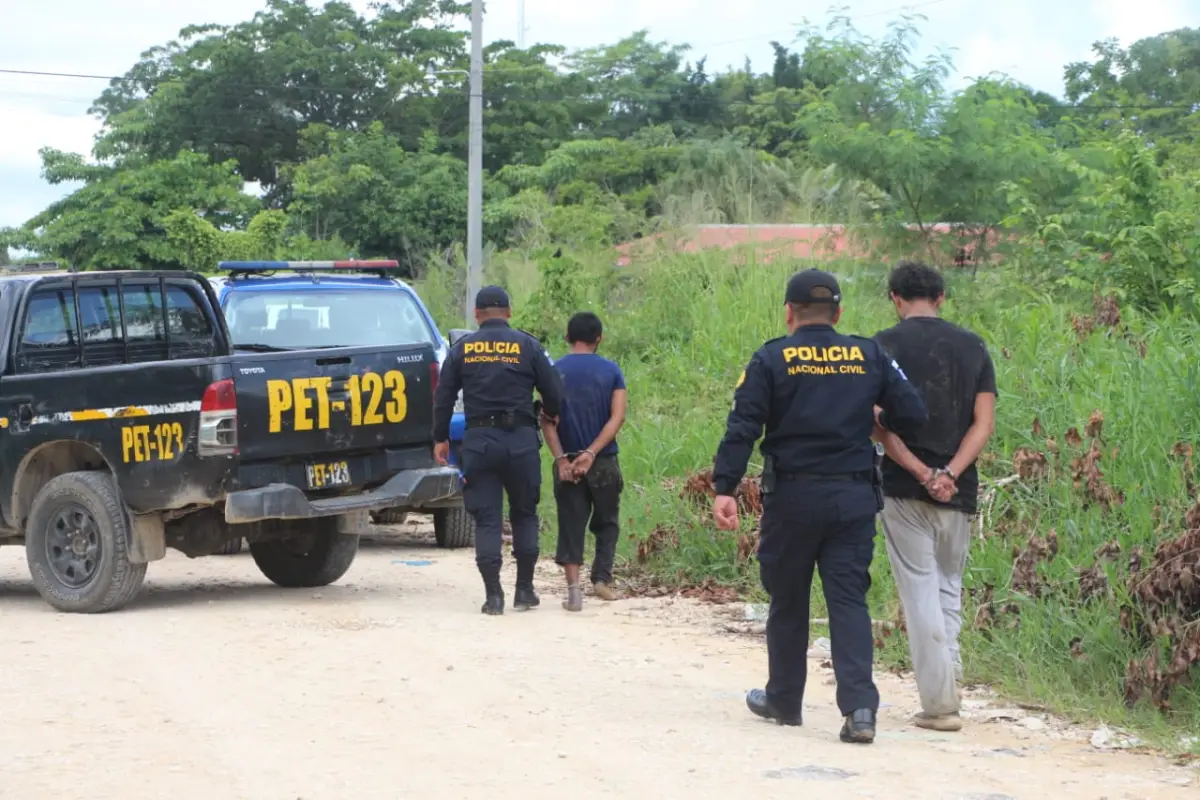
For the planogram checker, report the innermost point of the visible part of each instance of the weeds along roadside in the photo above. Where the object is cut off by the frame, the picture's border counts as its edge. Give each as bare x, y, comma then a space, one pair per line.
1089, 470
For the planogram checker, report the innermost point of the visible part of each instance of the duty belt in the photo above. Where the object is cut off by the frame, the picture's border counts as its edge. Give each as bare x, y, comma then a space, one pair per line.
509, 420
865, 476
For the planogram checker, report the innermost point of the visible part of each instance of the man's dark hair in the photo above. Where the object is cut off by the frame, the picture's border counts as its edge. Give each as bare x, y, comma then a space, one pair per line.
816, 312
584, 327
915, 280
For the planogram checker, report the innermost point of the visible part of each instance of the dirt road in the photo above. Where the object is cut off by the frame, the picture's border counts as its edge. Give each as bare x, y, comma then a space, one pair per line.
217, 685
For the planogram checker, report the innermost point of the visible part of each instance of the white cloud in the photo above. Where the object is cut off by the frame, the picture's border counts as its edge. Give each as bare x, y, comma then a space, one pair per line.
1130, 20
35, 128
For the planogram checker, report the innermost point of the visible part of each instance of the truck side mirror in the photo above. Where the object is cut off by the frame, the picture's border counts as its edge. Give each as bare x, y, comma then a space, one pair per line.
456, 334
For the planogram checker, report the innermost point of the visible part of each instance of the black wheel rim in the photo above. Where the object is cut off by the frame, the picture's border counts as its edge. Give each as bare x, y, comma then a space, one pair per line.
73, 546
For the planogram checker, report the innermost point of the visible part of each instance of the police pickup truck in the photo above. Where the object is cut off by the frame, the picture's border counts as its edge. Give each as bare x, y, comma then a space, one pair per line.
291, 306
128, 426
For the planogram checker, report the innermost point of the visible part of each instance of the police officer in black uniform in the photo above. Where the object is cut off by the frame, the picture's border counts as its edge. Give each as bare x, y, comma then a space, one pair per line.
816, 391
497, 368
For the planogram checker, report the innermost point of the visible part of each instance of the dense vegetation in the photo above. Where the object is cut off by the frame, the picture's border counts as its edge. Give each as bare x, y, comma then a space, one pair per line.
1082, 589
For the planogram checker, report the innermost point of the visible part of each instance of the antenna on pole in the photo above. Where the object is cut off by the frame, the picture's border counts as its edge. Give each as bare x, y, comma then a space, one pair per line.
521, 24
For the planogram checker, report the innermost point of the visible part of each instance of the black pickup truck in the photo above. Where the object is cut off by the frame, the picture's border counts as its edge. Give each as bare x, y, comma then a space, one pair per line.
128, 426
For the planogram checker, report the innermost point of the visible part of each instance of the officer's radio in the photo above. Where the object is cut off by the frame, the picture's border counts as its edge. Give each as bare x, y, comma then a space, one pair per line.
768, 475
877, 476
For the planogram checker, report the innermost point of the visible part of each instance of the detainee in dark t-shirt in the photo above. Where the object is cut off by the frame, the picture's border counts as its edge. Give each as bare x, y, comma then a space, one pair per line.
930, 482
587, 475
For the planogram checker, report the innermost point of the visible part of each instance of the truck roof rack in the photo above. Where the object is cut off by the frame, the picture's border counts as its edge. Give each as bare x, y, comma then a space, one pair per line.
247, 268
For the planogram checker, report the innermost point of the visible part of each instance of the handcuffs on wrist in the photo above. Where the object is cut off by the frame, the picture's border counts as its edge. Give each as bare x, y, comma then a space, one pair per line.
940, 471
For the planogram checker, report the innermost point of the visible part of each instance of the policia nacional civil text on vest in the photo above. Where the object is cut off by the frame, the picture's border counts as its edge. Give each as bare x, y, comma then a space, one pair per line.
815, 391
497, 368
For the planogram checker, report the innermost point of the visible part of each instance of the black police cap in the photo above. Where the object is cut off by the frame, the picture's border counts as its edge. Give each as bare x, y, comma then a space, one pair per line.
801, 285
491, 297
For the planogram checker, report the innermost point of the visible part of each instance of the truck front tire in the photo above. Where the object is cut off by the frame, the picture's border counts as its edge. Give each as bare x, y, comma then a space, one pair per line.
316, 555
77, 545
453, 527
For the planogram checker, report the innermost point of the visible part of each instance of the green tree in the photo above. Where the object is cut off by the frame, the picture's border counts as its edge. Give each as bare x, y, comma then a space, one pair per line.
1152, 88
366, 189
118, 218
245, 92
1130, 231
939, 157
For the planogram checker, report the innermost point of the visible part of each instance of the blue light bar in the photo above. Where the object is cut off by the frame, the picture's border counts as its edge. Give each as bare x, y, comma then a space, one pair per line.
263, 266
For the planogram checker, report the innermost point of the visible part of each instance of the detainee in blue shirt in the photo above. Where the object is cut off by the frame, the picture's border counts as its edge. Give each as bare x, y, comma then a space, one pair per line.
587, 475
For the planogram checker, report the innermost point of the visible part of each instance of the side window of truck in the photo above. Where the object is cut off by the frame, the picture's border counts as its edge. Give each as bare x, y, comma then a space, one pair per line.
146, 337
49, 339
52, 335
188, 326
100, 325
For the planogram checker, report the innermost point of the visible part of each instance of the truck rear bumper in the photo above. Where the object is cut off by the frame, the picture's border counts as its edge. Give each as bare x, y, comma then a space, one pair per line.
412, 488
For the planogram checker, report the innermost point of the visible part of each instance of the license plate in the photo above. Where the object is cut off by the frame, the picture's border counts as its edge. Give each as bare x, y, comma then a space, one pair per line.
326, 476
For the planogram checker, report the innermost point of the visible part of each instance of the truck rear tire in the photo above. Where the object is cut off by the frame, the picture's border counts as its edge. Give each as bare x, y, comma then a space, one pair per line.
77, 545
453, 527
389, 516
317, 555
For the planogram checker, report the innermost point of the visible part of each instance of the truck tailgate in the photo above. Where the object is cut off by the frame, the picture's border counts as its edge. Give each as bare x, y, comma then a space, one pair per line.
320, 406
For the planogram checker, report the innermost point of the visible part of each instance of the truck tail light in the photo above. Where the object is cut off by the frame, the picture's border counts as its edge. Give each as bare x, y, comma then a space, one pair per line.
218, 421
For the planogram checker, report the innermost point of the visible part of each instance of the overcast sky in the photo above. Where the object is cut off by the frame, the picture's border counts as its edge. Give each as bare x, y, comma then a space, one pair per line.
1030, 40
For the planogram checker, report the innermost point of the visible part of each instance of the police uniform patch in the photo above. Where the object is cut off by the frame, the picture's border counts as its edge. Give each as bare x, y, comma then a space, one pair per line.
897, 366
741, 379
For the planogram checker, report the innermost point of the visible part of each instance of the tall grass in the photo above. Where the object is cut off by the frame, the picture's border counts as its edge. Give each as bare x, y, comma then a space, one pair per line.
683, 326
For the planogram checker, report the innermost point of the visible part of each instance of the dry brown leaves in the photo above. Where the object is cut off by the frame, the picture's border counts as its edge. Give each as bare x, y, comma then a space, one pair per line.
698, 488
709, 591
1164, 615
1085, 469
1093, 582
1029, 464
661, 538
1025, 578
1106, 316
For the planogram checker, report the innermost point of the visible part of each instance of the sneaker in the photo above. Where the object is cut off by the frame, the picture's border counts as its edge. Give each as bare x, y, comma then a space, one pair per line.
605, 592
945, 723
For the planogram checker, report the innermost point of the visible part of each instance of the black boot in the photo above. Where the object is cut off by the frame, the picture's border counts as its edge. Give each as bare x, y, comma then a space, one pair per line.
757, 702
494, 604
859, 727
525, 597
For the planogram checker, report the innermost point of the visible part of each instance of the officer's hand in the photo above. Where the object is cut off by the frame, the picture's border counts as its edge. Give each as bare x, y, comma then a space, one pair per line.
441, 452
725, 512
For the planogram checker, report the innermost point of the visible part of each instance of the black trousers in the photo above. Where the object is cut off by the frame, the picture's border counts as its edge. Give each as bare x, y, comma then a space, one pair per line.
495, 462
595, 502
826, 525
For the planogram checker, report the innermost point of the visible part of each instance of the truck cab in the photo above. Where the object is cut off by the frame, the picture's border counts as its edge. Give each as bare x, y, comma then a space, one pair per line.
334, 308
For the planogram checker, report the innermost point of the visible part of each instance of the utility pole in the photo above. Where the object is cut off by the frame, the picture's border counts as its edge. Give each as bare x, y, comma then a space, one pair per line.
475, 167
521, 24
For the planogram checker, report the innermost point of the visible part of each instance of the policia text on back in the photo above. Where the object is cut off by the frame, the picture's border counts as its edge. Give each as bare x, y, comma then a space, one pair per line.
815, 392
498, 368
